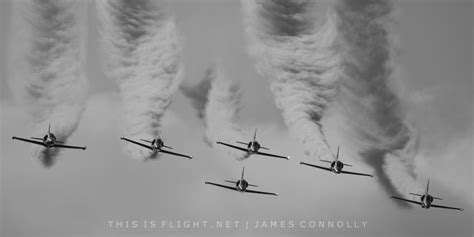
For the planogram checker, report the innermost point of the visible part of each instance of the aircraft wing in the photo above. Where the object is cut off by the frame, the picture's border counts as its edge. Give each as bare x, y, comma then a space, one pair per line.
277, 156
445, 207
140, 144
70, 147
315, 166
235, 147
354, 173
222, 186
259, 192
28, 140
176, 154
406, 200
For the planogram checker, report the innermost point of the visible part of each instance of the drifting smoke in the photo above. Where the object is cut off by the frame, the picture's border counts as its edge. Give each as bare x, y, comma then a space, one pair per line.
386, 141
143, 50
47, 67
198, 94
314, 54
217, 100
294, 47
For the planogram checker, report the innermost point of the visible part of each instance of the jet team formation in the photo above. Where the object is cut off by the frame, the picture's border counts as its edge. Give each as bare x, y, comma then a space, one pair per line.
253, 147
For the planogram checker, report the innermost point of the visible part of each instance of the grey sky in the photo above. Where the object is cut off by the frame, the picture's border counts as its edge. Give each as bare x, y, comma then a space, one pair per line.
83, 190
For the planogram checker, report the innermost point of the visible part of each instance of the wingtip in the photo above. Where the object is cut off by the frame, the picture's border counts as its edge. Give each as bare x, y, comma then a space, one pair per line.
84, 148
288, 158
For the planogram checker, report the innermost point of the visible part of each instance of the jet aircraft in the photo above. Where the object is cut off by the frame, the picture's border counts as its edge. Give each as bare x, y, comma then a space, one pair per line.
336, 166
48, 141
241, 185
253, 147
156, 145
426, 200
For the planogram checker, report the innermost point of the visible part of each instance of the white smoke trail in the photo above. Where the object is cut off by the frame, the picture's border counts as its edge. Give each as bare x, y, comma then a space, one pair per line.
222, 111
376, 115
46, 66
293, 42
143, 49
217, 100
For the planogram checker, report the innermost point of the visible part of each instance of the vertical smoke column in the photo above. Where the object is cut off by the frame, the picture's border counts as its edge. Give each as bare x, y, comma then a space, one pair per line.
217, 101
46, 67
386, 142
143, 50
293, 44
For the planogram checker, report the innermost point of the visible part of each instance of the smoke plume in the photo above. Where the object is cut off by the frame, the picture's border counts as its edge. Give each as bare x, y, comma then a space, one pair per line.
387, 142
46, 67
293, 42
217, 101
143, 58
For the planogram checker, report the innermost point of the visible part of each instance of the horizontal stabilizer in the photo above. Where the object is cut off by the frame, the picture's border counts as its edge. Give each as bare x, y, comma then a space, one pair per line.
146, 140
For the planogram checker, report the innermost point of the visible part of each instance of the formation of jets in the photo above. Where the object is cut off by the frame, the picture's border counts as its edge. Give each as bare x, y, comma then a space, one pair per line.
252, 148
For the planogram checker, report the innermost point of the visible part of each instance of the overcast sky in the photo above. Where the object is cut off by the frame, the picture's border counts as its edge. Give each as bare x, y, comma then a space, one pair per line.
85, 189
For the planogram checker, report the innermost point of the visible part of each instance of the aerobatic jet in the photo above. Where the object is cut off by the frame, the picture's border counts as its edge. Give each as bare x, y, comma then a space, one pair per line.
156, 145
241, 186
253, 147
336, 166
426, 200
48, 141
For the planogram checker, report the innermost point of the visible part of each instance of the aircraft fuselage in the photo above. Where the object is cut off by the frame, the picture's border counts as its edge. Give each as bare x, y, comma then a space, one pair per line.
336, 167
49, 139
241, 185
157, 144
426, 201
253, 147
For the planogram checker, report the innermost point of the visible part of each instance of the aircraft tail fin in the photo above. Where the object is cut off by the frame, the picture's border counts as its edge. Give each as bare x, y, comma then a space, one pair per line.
337, 154
49, 128
243, 171
427, 186
255, 135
